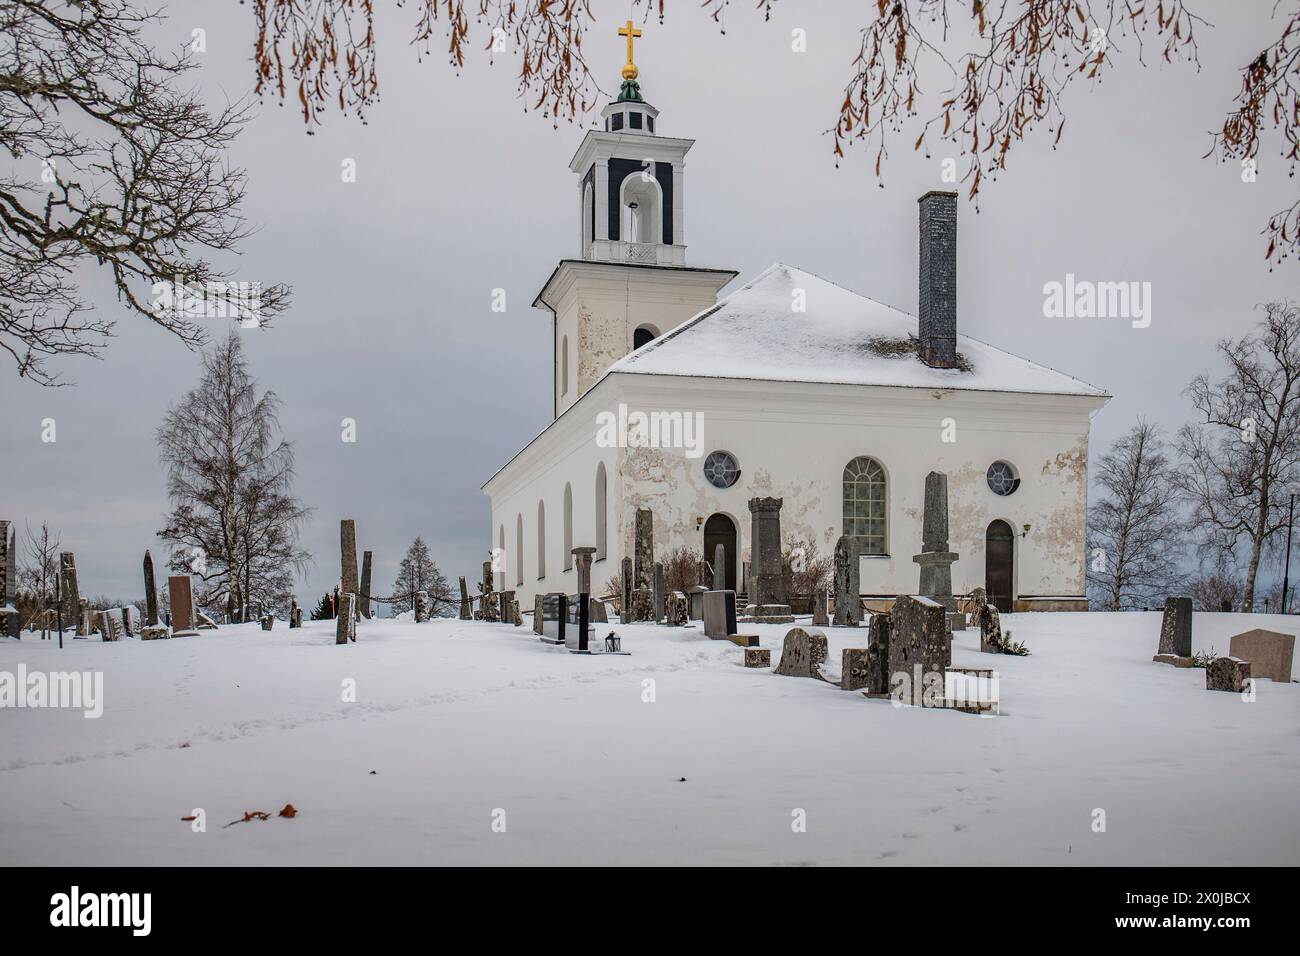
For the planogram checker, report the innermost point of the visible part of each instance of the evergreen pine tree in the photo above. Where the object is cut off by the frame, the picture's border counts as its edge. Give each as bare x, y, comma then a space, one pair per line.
324, 610
419, 572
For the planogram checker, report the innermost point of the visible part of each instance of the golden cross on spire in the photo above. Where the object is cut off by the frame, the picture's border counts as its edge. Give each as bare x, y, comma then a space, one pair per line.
629, 69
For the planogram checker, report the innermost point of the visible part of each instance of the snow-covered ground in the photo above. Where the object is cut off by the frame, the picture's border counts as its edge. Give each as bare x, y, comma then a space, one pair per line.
456, 721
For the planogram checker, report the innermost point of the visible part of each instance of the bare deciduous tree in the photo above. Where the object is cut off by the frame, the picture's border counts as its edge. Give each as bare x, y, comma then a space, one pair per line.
1245, 453
1134, 530
234, 523
116, 164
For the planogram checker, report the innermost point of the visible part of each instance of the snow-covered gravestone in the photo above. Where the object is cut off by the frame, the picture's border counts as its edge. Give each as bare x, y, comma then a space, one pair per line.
1227, 673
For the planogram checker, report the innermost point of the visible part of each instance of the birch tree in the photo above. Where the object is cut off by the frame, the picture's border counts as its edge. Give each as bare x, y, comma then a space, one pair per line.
1134, 528
1242, 459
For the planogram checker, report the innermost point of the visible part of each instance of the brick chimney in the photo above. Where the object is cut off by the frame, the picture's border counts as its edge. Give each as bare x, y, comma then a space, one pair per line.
937, 311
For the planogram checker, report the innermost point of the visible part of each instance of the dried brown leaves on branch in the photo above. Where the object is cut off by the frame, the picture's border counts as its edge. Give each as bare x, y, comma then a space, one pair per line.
1027, 52
1022, 55
1269, 98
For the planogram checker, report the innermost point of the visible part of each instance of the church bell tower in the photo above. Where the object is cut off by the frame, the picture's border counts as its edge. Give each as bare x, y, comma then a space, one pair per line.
631, 283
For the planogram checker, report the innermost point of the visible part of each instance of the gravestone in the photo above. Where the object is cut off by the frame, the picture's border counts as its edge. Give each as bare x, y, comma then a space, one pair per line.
364, 595
1175, 630
643, 605
582, 562
935, 559
268, 621
802, 653
598, 613
150, 592
7, 575
345, 625
349, 579
1227, 673
297, 617
920, 646
676, 609
625, 596
421, 606
719, 567
1269, 652
820, 617
643, 549
130, 621
989, 621
695, 602
110, 624
69, 595
758, 657
465, 612
659, 596
154, 632
537, 614
878, 635
203, 622
180, 592
294, 620
855, 668
719, 614
765, 555
848, 604
10, 619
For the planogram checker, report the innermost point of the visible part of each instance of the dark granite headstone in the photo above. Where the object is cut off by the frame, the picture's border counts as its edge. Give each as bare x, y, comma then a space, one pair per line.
719, 614
1176, 627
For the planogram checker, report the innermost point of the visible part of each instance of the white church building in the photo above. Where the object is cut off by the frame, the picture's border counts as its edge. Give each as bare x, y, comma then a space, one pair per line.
671, 399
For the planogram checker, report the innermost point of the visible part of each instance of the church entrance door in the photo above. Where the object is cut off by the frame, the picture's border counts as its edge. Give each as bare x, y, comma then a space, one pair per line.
998, 557
721, 530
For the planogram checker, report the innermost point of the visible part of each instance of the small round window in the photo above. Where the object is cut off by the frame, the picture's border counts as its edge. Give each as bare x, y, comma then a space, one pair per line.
1002, 478
721, 469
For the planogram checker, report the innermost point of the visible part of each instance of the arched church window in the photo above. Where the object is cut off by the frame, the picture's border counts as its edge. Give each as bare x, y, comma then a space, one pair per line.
642, 201
721, 469
568, 526
600, 512
864, 504
643, 336
564, 366
519, 550
541, 540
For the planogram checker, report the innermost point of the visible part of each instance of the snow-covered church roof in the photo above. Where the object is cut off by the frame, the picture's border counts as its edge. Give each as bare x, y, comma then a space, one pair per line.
840, 337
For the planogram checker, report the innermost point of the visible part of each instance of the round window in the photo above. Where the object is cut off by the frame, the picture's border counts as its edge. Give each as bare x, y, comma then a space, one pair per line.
721, 469
1002, 478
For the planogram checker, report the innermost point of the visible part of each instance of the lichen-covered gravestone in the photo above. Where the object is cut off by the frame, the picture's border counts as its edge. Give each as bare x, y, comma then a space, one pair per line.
989, 621
855, 668
675, 613
758, 657
1227, 673
802, 653
820, 617
878, 635
1175, 631
848, 605
920, 646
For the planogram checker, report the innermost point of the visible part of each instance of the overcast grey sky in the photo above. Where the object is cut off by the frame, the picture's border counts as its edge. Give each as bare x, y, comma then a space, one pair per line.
460, 191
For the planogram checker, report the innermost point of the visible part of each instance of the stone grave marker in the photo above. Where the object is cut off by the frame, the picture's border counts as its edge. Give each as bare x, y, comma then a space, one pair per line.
345, 625
1175, 631
1227, 673
758, 657
719, 614
920, 646
180, 591
802, 653
1270, 653
848, 604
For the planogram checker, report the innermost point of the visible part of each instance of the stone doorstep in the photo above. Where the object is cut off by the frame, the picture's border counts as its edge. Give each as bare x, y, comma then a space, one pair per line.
744, 640
1175, 659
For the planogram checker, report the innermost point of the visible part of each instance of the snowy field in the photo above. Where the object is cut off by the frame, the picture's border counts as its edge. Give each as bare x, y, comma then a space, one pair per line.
455, 720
